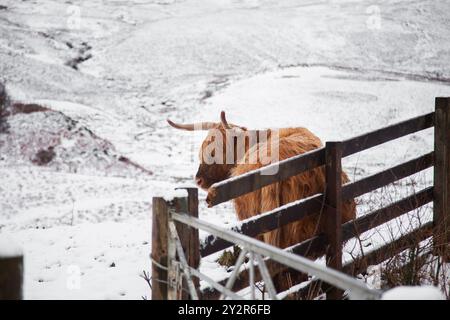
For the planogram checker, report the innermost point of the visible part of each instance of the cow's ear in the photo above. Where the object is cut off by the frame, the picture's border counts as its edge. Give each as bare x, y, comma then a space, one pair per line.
227, 125
224, 121
237, 128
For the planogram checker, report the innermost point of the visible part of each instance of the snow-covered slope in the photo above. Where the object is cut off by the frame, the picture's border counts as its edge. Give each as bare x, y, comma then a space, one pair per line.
414, 293
111, 72
52, 139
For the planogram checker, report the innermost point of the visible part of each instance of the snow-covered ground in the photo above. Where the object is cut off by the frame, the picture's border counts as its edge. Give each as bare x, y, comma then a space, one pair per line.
112, 71
413, 293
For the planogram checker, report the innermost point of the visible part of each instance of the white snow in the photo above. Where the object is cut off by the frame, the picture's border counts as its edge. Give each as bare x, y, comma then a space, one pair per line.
9, 247
176, 193
266, 63
89, 260
413, 293
293, 289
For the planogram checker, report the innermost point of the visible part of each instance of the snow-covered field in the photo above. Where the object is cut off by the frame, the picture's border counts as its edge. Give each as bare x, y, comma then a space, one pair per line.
111, 72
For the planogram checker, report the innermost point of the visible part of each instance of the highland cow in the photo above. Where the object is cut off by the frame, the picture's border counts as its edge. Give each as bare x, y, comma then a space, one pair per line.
289, 142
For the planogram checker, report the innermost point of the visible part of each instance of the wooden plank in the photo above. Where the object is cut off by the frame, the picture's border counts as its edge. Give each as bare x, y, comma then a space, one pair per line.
441, 215
11, 278
368, 221
333, 211
184, 236
190, 240
376, 218
160, 236
177, 204
395, 131
267, 222
383, 178
254, 180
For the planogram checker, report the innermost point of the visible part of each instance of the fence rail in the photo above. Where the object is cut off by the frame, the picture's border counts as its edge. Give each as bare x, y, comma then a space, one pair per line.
330, 201
267, 222
386, 134
300, 209
256, 179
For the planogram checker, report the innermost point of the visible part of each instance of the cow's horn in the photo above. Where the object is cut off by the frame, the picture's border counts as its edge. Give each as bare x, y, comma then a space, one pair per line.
192, 126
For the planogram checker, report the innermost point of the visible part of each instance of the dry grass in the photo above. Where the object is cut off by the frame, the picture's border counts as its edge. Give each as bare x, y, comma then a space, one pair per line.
229, 257
415, 265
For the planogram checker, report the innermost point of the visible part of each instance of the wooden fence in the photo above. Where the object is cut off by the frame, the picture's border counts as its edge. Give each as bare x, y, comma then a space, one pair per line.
330, 202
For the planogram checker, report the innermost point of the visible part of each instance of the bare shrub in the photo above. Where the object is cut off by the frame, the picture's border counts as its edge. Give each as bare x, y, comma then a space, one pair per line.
413, 263
44, 156
229, 257
405, 268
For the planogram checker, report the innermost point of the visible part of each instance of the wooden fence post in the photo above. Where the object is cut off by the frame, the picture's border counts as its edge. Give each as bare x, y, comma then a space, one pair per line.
333, 211
160, 240
190, 240
11, 276
441, 206
174, 276
166, 278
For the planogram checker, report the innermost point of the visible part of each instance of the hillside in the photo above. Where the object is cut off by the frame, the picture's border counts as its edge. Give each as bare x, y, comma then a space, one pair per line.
77, 174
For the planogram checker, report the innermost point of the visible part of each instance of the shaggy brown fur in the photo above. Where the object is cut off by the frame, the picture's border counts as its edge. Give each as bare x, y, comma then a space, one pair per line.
293, 141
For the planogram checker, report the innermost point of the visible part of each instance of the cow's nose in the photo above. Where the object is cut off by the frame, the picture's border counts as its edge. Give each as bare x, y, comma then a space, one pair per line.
199, 181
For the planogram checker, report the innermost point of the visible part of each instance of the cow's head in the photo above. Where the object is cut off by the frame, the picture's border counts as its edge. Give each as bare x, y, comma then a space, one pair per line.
218, 153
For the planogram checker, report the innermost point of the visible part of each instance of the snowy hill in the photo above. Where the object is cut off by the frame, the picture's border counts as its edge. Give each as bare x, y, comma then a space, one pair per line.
43, 137
77, 178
